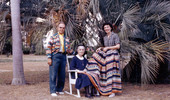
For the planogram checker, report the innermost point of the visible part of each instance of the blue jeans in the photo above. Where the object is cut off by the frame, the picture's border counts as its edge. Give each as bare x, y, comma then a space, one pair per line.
57, 71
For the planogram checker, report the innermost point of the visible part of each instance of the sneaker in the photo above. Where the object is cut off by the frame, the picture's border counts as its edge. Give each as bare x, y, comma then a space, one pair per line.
53, 94
112, 95
60, 93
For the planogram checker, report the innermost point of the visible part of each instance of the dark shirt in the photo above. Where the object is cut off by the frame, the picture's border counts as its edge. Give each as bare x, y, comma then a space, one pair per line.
76, 63
82, 80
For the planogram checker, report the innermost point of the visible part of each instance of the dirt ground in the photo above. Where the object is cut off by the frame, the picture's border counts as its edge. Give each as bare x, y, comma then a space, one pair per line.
37, 87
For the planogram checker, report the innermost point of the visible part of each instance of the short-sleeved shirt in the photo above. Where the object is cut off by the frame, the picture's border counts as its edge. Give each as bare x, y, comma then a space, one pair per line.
112, 40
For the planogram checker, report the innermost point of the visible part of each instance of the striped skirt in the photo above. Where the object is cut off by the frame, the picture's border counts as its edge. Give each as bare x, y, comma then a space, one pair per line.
103, 71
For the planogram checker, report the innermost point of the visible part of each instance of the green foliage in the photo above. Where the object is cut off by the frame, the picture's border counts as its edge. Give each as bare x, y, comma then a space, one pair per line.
141, 24
140, 28
5, 27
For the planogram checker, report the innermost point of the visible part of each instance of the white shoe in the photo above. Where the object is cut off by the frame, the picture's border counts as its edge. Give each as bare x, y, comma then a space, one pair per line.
60, 93
111, 95
53, 94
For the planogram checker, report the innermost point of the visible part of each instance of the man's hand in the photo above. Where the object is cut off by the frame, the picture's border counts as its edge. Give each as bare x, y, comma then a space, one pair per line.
49, 61
70, 51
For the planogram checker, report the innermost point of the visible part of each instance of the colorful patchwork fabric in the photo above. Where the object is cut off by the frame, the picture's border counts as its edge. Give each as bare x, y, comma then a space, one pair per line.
54, 44
103, 71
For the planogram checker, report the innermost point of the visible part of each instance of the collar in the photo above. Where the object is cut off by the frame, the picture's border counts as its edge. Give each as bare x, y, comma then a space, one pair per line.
112, 33
57, 34
62, 34
81, 58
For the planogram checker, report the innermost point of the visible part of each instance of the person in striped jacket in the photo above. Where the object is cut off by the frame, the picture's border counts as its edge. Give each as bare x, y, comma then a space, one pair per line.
56, 50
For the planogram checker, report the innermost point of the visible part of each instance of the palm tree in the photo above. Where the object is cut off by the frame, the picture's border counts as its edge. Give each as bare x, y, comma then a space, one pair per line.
141, 25
4, 25
145, 35
18, 72
139, 43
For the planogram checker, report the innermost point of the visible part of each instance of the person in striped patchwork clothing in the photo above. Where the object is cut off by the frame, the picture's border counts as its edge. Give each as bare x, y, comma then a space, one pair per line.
57, 47
103, 67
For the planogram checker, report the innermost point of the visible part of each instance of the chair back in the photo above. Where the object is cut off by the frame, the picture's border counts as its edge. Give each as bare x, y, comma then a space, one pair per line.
69, 58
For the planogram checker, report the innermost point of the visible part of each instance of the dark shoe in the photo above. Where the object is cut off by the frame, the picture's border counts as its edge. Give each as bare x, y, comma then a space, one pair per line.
87, 94
97, 95
94, 92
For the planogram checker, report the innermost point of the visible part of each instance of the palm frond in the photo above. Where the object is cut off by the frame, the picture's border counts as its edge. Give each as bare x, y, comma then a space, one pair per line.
149, 66
159, 48
148, 63
149, 55
165, 27
130, 21
156, 10
156, 13
128, 47
4, 26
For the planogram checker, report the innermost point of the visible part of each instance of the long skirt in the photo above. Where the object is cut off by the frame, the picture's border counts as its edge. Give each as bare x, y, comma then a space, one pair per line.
103, 71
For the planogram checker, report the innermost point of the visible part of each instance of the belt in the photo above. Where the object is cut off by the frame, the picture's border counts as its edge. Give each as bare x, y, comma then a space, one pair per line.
61, 52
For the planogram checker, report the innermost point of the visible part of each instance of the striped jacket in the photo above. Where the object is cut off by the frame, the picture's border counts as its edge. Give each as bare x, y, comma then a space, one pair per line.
53, 45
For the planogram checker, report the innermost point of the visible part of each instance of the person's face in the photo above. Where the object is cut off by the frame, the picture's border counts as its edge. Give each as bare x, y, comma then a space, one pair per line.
107, 28
61, 28
81, 50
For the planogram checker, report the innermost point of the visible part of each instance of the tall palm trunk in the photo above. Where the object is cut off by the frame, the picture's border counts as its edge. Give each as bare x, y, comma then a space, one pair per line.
18, 72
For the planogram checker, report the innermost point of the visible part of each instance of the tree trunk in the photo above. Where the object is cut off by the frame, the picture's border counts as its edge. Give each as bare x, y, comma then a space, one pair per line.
18, 71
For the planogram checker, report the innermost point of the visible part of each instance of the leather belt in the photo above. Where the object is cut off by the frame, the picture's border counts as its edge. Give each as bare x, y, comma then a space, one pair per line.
61, 52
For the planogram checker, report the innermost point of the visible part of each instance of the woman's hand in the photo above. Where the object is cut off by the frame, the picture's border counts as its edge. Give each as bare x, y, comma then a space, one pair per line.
105, 49
99, 49
79, 71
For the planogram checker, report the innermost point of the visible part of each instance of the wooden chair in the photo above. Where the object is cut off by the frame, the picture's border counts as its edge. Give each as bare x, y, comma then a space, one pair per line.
72, 81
